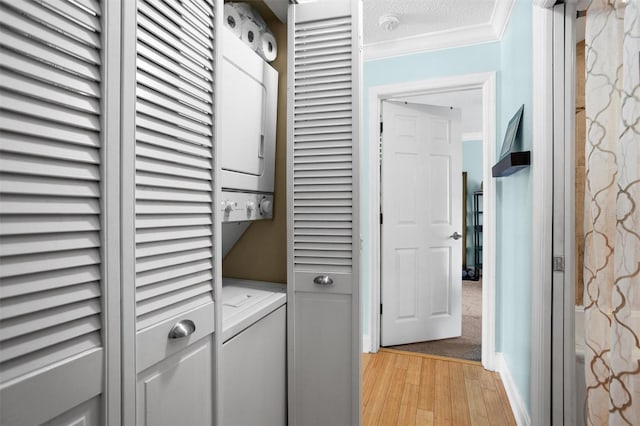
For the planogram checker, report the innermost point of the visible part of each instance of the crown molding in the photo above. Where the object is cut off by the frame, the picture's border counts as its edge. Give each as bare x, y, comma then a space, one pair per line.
545, 4
500, 17
458, 37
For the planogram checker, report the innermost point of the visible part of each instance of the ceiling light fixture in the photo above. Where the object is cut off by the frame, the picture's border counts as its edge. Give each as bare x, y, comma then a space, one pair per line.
388, 22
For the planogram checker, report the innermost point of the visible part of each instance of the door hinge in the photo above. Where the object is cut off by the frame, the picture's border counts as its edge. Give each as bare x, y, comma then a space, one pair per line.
380, 218
381, 309
558, 263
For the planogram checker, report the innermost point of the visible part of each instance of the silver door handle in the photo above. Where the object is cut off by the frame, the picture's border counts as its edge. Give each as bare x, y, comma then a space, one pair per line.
323, 280
456, 236
182, 329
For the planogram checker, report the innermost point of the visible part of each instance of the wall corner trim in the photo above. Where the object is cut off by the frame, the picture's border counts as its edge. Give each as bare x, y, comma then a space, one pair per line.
518, 406
500, 17
488, 32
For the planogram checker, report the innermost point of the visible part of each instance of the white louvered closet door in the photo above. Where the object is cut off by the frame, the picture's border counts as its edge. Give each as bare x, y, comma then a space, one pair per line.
324, 325
51, 218
174, 209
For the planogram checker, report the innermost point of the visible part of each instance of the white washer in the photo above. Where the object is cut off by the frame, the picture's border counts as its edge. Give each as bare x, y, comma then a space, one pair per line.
254, 353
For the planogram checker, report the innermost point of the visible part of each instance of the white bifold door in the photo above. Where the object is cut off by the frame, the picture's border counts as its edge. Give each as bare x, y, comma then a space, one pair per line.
323, 286
174, 191
422, 211
53, 276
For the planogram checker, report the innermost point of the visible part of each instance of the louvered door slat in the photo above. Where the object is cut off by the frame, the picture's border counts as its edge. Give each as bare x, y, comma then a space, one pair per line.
159, 275
174, 168
42, 166
180, 17
24, 225
180, 29
47, 110
162, 140
29, 145
41, 71
171, 104
323, 145
163, 221
48, 299
59, 315
189, 74
30, 86
91, 5
25, 284
75, 13
78, 48
173, 285
39, 49
197, 17
23, 185
149, 40
58, 21
51, 284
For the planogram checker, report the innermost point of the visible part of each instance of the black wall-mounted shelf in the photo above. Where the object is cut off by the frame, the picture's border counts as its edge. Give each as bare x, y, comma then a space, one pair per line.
511, 163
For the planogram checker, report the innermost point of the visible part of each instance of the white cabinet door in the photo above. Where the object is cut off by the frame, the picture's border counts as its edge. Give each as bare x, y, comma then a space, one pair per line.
323, 232
254, 374
52, 212
175, 216
179, 389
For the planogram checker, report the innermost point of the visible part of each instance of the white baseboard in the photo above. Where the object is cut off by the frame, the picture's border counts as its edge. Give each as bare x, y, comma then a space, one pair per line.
366, 344
518, 406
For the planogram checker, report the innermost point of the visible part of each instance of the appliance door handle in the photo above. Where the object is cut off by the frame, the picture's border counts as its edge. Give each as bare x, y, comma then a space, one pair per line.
182, 329
323, 280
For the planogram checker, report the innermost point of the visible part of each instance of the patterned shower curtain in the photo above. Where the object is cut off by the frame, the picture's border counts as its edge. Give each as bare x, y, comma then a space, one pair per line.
612, 213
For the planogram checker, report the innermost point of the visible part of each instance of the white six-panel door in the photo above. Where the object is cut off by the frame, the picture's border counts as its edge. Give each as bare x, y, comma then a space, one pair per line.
323, 233
422, 208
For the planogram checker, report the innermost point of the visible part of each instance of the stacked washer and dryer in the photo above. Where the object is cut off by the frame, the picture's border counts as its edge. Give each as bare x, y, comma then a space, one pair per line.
254, 312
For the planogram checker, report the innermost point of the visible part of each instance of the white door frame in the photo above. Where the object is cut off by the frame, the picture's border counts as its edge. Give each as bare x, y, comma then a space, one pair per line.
486, 82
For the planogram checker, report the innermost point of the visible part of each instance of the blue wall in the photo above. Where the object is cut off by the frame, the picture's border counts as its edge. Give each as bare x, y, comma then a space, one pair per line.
513, 239
472, 164
511, 58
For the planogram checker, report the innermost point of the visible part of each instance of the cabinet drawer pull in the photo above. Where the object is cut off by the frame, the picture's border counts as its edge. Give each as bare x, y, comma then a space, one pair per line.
323, 280
182, 329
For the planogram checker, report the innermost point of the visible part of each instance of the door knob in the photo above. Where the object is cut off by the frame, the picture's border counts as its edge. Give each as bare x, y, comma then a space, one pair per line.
182, 329
323, 280
456, 236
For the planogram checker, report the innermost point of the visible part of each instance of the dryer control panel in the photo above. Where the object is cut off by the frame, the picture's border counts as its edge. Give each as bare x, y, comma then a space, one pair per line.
243, 206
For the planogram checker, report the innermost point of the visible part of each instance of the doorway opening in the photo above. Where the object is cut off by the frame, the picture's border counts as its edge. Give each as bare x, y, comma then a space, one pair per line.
476, 253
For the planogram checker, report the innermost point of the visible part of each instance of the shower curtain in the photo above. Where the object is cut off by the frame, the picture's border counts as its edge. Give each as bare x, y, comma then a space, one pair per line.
612, 213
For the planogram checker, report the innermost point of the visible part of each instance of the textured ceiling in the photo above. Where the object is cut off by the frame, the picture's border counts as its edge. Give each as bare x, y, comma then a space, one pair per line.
419, 17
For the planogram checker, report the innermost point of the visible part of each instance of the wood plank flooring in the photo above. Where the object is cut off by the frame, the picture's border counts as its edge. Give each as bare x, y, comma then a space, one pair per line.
403, 388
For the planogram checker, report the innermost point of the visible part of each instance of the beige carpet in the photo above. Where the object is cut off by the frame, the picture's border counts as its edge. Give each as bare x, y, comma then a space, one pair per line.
467, 346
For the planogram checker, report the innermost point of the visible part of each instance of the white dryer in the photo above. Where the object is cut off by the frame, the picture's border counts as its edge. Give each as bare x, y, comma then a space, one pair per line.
249, 96
249, 102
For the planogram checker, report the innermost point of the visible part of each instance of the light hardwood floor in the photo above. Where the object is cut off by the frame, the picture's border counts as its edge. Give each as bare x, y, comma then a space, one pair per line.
403, 388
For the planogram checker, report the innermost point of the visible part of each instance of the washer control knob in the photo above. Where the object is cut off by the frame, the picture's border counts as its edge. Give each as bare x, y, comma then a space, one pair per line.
250, 207
228, 206
266, 207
